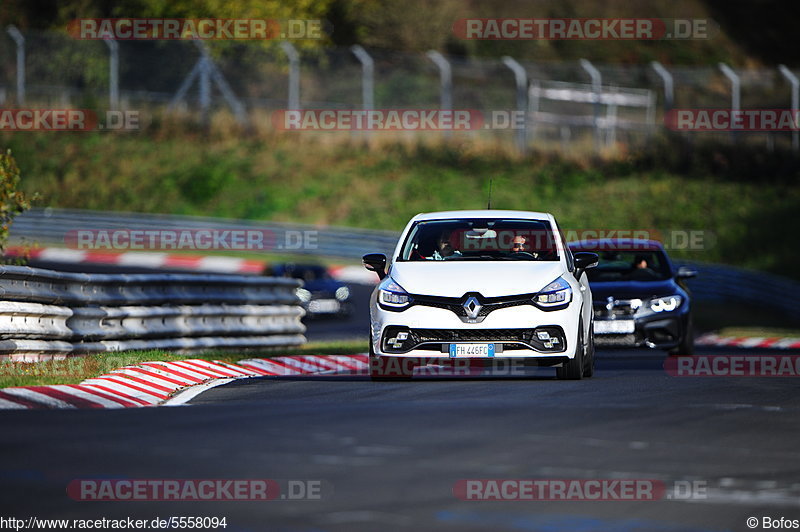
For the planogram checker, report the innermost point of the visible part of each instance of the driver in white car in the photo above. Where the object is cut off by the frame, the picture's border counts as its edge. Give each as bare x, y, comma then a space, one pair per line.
444, 247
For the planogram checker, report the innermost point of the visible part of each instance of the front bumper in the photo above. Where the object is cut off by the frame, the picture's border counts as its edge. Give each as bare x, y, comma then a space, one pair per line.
513, 332
657, 331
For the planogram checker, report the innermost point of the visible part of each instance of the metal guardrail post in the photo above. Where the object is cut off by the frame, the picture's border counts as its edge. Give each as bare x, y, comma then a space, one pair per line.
521, 78
294, 74
789, 75
20, 42
597, 87
113, 74
669, 87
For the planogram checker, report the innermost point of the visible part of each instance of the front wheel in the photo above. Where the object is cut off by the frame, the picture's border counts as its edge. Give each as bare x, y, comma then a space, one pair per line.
686, 347
573, 369
588, 369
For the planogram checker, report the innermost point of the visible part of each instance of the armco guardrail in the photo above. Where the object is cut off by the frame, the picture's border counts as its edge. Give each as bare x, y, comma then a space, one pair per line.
719, 284
53, 225
46, 313
715, 283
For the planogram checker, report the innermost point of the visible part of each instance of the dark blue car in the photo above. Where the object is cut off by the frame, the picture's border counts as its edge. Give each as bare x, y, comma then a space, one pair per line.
321, 294
640, 297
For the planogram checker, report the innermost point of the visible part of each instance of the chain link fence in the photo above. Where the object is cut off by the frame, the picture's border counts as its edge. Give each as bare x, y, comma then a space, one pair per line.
249, 80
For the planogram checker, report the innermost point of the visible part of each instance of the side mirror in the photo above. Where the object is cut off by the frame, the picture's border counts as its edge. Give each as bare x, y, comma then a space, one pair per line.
684, 272
375, 262
583, 261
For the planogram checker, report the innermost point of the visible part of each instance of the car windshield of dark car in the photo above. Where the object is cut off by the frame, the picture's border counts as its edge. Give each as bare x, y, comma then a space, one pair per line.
309, 273
633, 265
480, 240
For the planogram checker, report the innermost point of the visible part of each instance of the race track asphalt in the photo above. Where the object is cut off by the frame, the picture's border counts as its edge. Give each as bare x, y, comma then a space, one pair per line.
389, 454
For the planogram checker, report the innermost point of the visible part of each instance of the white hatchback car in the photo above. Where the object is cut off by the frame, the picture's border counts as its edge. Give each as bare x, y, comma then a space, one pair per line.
482, 285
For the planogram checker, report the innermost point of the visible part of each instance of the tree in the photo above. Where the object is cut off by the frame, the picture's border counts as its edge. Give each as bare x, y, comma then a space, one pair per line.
12, 200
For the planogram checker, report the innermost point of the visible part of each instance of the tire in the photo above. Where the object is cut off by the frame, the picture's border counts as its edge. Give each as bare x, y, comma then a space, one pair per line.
573, 369
588, 369
686, 347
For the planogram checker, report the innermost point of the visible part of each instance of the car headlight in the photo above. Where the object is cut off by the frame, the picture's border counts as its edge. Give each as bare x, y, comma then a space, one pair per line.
665, 304
392, 295
342, 293
303, 294
555, 294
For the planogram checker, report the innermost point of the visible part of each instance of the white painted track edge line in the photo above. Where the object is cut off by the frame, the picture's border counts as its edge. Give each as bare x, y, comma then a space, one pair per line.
186, 395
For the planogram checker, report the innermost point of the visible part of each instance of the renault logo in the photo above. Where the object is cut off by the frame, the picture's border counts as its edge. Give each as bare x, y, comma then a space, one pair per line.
472, 307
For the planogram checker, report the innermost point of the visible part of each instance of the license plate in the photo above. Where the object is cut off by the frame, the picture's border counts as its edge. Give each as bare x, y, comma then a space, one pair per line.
323, 305
614, 327
471, 350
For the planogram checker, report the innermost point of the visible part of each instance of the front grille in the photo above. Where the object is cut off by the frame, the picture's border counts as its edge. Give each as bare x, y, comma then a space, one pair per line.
615, 339
471, 335
621, 308
439, 339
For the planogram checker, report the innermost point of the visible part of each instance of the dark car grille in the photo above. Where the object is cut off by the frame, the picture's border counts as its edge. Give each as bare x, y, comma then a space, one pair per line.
621, 308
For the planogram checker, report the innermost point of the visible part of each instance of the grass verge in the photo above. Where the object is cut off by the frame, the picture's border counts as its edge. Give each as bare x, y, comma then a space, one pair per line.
741, 201
76, 369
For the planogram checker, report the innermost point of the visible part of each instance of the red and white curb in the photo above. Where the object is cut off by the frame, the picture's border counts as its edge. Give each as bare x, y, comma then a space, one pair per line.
143, 259
156, 383
173, 261
748, 342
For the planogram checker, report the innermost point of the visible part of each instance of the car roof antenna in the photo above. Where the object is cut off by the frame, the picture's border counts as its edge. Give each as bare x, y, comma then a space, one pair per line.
489, 203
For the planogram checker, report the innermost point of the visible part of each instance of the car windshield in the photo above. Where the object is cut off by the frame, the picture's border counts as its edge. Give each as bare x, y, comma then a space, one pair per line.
633, 265
480, 240
308, 273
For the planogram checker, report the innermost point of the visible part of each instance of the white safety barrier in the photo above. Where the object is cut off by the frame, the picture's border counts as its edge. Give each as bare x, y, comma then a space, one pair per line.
45, 314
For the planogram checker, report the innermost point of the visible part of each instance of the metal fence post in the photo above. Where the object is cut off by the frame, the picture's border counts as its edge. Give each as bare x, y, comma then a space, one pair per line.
789, 75
445, 82
597, 87
205, 87
294, 74
367, 77
611, 118
113, 74
735, 90
669, 87
521, 78
20, 41
533, 107
735, 86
